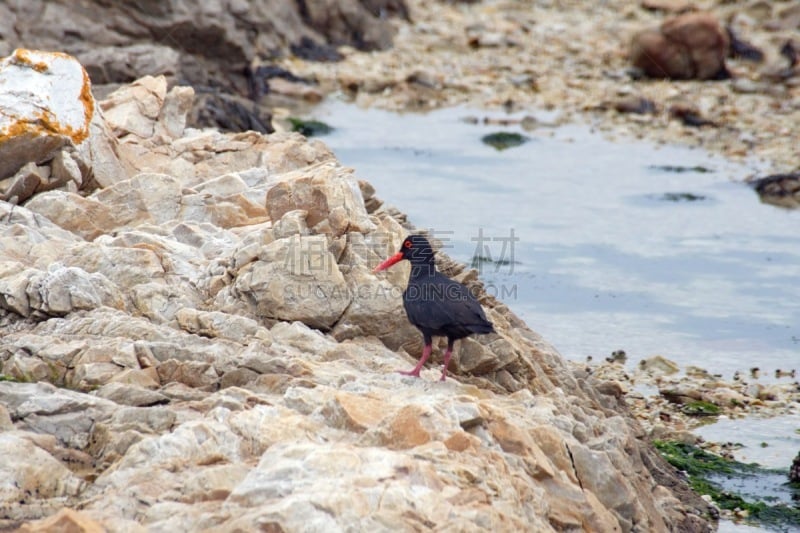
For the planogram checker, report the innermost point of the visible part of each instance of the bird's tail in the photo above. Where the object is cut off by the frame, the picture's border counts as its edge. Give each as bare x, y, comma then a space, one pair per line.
485, 327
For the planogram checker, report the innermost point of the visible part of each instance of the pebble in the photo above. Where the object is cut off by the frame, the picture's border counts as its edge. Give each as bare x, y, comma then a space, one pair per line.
660, 409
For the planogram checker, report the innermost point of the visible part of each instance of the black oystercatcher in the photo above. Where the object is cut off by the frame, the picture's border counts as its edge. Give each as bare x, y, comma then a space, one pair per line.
435, 304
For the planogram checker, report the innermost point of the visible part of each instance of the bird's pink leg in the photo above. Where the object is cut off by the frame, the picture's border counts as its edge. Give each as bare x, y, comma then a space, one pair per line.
426, 352
447, 355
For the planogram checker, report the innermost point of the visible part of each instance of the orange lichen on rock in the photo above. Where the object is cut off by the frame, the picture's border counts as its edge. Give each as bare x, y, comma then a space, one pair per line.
22, 57
88, 104
45, 121
46, 124
15, 129
49, 123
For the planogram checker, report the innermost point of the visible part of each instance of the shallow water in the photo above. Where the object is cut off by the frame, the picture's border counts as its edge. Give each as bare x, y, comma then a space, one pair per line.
621, 245
616, 245
767, 441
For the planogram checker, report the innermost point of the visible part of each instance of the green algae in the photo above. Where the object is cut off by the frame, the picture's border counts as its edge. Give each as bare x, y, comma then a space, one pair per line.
700, 408
710, 474
503, 140
309, 128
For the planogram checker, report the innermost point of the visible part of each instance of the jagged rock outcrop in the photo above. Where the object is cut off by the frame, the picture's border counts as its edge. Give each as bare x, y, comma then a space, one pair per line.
224, 49
200, 344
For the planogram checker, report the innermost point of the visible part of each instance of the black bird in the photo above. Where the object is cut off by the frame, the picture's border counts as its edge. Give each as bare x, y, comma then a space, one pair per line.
435, 304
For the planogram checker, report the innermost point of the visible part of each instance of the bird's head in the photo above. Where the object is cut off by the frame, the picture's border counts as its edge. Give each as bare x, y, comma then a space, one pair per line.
415, 248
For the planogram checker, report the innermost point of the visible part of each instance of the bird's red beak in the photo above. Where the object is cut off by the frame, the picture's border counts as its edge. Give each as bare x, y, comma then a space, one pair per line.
396, 258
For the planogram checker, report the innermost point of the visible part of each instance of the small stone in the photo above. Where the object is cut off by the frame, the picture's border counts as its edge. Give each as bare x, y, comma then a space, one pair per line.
794, 470
125, 394
238, 377
658, 365
67, 521
5, 419
469, 415
360, 412
405, 429
746, 86
459, 441
23, 184
302, 91
668, 6
635, 104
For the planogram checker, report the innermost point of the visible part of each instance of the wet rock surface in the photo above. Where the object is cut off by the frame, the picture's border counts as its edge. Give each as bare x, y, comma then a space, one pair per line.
670, 401
202, 345
779, 189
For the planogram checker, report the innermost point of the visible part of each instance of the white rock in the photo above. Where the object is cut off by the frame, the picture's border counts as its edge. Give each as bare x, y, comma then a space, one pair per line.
217, 324
133, 109
25, 399
27, 471
295, 279
45, 103
63, 290
146, 197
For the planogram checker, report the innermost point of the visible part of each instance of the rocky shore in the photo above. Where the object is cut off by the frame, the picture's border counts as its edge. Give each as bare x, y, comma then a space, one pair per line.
190, 333
669, 402
192, 338
577, 58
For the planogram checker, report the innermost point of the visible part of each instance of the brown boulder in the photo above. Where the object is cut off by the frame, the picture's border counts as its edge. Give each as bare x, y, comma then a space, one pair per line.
690, 46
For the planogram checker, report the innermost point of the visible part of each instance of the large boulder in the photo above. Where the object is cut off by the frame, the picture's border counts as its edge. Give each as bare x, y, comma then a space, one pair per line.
331, 199
45, 103
295, 278
689, 46
51, 135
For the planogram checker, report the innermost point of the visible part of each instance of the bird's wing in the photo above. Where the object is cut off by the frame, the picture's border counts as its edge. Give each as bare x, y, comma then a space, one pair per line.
445, 303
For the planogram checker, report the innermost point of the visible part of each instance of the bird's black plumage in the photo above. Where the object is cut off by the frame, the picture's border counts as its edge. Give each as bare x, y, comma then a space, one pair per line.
434, 303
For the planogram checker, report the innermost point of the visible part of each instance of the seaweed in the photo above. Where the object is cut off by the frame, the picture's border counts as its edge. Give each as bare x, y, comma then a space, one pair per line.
705, 471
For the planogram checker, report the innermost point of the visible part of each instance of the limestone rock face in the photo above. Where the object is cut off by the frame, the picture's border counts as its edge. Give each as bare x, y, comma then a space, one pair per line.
32, 477
332, 203
200, 344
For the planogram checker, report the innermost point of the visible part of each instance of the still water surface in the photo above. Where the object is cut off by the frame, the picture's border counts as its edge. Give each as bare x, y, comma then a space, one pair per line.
621, 245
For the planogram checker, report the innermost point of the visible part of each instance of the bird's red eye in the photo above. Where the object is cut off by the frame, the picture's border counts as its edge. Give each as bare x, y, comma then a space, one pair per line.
407, 244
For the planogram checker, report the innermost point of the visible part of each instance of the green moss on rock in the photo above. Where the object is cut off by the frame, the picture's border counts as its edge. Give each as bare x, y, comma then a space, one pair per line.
701, 466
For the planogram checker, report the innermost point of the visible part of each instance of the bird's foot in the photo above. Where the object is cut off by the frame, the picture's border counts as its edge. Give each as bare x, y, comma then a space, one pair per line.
413, 372
444, 377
